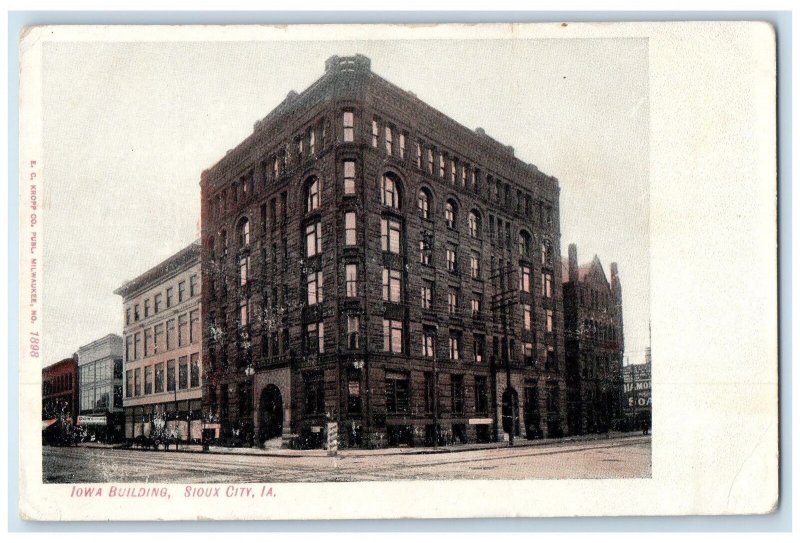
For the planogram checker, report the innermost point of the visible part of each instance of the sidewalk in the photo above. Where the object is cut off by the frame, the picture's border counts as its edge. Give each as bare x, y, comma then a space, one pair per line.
354, 453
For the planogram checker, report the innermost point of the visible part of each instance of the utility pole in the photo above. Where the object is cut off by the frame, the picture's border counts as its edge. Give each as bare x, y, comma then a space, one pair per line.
503, 299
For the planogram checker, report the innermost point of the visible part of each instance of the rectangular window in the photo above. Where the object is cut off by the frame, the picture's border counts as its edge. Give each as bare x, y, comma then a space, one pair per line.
194, 377
312, 141
314, 393
481, 396
348, 126
349, 177
389, 140
455, 347
551, 361
392, 336
374, 132
128, 315
181, 291
137, 382
441, 165
430, 394
547, 285
137, 345
157, 302
549, 316
475, 266
452, 172
244, 313
148, 342
183, 372
147, 308
159, 377
426, 295
476, 304
170, 375
148, 379
397, 392
428, 343
527, 353
525, 278
194, 326
183, 330
452, 302
430, 161
353, 331
313, 239
263, 212
128, 348
526, 316
425, 251
170, 334
402, 145
315, 338
479, 346
350, 228
129, 383
451, 260
351, 280
314, 288
244, 270
390, 236
193, 285
354, 391
391, 285
419, 155
136, 312
457, 394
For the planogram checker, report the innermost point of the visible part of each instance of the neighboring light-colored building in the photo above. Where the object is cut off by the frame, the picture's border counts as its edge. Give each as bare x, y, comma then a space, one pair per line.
100, 388
163, 344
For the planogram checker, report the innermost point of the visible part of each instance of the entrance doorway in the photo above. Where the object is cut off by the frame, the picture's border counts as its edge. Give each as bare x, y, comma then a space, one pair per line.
511, 412
271, 414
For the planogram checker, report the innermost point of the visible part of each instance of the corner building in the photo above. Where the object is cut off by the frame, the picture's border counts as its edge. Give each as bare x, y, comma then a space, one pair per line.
370, 261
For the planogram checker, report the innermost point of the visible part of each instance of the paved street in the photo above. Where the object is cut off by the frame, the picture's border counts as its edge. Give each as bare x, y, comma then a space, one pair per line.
600, 458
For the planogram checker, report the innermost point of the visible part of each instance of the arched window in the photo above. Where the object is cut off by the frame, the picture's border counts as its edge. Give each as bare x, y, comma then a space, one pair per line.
390, 191
474, 221
313, 187
524, 243
450, 213
424, 204
243, 232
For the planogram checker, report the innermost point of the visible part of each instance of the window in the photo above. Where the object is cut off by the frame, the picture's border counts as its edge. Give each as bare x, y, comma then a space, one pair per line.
475, 304
423, 204
525, 278
397, 392
455, 348
128, 315
452, 172
159, 378
389, 139
547, 254
353, 331
194, 370
194, 326
390, 236
349, 177
244, 270
374, 132
137, 382
314, 393
315, 338
354, 391
402, 145
312, 141
428, 342
157, 299
148, 379
129, 383
314, 288
419, 155
348, 125
457, 394
351, 280
392, 336
475, 266
148, 342
527, 353
441, 165
312, 194
137, 349
549, 319
526, 316
350, 228
244, 313
181, 291
547, 284
524, 242
390, 194
450, 214
474, 223
551, 363
136, 312
391, 285
479, 346
426, 295
430, 161
129, 348
183, 329
147, 308
452, 302
451, 260
192, 288
430, 396
481, 396
170, 334
313, 239
425, 250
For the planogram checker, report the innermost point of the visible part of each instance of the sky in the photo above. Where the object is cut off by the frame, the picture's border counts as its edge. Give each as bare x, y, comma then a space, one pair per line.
128, 127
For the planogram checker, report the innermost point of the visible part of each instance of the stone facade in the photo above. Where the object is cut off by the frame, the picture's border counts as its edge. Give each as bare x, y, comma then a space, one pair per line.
594, 343
370, 261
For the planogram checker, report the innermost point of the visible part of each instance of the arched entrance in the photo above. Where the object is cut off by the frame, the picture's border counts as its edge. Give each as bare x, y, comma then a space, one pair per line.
511, 411
270, 413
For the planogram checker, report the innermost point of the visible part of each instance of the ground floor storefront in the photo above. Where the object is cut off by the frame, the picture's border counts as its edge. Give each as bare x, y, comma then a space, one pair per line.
182, 420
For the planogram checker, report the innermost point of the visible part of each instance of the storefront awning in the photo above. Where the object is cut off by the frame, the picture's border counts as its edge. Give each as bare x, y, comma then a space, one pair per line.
48, 423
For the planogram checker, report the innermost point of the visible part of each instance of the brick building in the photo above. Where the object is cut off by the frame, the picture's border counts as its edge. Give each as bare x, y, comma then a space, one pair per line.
594, 344
163, 368
368, 260
60, 391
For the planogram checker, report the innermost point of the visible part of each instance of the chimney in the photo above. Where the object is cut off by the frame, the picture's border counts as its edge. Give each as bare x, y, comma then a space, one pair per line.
573, 263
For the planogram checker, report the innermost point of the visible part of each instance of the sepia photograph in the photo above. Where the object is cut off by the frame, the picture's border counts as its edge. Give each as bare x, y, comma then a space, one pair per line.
337, 254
